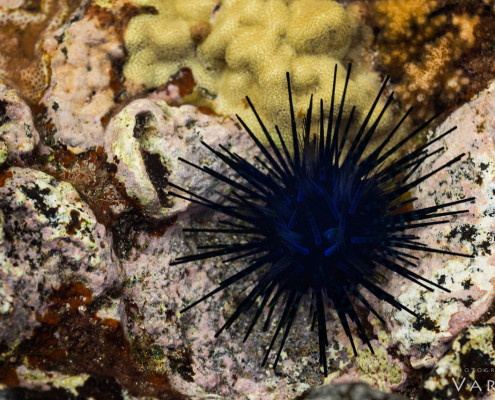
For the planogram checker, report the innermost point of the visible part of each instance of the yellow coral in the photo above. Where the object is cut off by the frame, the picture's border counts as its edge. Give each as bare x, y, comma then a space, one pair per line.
399, 16
246, 50
160, 43
429, 77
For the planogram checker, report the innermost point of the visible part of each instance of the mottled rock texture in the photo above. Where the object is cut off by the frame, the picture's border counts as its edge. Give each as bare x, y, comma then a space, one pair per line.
158, 291
145, 142
470, 280
58, 268
4, 153
48, 238
406, 344
467, 371
17, 131
80, 96
348, 391
197, 362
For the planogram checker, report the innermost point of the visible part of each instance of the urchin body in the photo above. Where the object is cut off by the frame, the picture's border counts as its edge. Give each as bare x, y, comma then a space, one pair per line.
319, 221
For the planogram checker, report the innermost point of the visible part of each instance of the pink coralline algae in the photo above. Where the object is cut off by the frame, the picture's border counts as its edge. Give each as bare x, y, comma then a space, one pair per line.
444, 315
471, 281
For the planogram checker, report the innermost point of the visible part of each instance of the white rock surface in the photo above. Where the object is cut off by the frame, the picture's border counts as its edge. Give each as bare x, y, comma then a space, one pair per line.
80, 95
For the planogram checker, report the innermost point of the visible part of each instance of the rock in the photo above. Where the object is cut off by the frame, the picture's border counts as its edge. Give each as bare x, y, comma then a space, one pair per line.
348, 391
80, 95
405, 345
145, 141
17, 131
467, 370
470, 280
24, 26
49, 239
36, 384
4, 153
158, 291
197, 362
383, 370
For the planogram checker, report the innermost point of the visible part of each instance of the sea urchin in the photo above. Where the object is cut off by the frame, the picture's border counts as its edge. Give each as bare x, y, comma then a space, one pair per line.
319, 220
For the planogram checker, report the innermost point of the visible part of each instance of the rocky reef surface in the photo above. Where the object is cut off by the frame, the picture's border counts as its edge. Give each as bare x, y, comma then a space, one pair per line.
89, 301
18, 134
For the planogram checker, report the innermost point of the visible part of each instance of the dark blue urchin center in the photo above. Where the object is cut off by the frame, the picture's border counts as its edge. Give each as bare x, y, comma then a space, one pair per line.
317, 224
321, 221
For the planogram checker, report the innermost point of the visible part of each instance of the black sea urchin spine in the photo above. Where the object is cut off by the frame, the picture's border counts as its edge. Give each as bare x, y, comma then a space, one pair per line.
320, 221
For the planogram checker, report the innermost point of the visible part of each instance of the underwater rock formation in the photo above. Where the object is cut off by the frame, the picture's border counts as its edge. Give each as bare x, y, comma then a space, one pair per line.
4, 152
467, 368
89, 303
196, 361
348, 391
80, 96
471, 281
18, 134
49, 238
382, 370
145, 141
406, 345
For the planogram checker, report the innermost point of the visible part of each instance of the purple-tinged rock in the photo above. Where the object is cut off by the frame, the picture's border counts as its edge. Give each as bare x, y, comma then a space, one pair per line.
471, 281
18, 134
48, 238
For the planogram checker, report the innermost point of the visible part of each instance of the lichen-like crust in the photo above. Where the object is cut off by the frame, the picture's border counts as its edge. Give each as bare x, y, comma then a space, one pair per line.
322, 222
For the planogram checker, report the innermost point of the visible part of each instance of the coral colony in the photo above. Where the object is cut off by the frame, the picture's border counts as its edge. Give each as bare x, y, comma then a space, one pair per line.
245, 49
321, 220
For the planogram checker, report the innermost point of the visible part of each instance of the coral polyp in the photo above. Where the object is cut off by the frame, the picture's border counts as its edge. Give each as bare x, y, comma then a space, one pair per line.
321, 219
